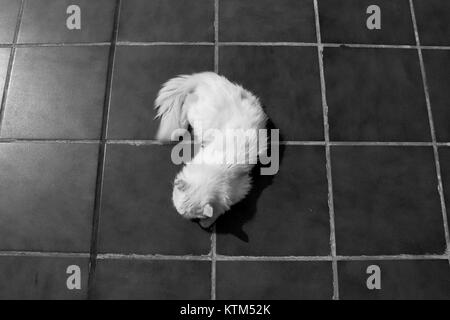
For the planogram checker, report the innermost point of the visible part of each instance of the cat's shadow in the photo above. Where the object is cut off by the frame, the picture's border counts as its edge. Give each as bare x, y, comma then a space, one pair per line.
233, 221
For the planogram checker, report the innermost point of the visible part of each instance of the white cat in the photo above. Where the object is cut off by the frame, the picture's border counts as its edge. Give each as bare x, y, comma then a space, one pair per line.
207, 185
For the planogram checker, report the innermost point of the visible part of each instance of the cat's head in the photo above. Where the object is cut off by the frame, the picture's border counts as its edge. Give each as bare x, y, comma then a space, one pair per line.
198, 194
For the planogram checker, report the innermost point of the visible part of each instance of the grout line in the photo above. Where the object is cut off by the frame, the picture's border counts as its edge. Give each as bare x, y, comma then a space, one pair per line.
432, 129
12, 56
102, 152
213, 257
164, 43
63, 44
267, 44
146, 257
381, 144
274, 258
368, 46
300, 143
333, 45
216, 36
43, 254
393, 257
320, 49
61, 141
214, 233
434, 47
288, 142
232, 43
158, 257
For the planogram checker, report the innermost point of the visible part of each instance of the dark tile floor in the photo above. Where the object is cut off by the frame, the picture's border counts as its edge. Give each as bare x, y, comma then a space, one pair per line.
375, 95
432, 21
139, 73
40, 277
277, 85
386, 201
138, 218
252, 228
437, 64
167, 20
152, 279
415, 280
260, 20
341, 21
8, 19
445, 167
274, 280
4, 59
84, 184
56, 93
98, 17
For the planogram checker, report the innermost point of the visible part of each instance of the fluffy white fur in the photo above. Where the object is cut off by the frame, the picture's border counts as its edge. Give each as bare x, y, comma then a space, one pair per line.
207, 187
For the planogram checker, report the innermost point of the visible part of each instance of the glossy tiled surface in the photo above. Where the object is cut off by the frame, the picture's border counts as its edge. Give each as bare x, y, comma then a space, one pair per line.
47, 196
295, 109
60, 86
437, 64
84, 184
445, 167
122, 279
138, 76
274, 280
44, 21
375, 95
40, 278
167, 20
386, 201
296, 226
432, 21
261, 20
413, 280
8, 18
4, 60
138, 218
344, 21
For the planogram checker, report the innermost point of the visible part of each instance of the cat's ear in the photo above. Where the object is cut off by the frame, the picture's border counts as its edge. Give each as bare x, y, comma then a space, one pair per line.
208, 211
180, 184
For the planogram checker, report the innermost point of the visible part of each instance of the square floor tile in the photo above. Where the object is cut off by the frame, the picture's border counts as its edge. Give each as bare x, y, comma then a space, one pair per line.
4, 60
437, 66
167, 20
41, 278
444, 156
345, 21
46, 21
287, 81
47, 196
8, 20
274, 280
286, 214
137, 214
56, 93
375, 95
139, 74
411, 280
386, 201
156, 280
261, 20
432, 21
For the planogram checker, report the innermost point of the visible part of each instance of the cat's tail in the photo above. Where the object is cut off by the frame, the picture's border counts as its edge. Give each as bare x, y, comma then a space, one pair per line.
171, 107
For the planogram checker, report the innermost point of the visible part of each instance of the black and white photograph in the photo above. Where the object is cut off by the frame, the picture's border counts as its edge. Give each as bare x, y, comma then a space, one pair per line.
218, 151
